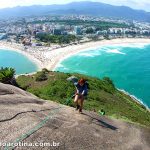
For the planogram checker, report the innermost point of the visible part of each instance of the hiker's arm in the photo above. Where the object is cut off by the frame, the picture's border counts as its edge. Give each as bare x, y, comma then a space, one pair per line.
77, 91
85, 90
76, 85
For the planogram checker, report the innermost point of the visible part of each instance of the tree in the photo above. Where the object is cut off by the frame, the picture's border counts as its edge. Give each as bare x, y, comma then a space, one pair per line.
61, 39
89, 31
94, 38
41, 76
109, 81
7, 75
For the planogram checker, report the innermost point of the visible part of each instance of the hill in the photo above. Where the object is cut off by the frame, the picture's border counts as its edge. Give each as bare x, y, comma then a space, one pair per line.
102, 95
28, 119
78, 8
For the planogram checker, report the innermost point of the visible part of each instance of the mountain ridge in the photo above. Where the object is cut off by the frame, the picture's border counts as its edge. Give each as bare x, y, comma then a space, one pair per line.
79, 8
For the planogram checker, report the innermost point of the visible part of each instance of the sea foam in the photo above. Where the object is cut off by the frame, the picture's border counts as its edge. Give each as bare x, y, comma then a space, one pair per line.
116, 51
134, 97
90, 53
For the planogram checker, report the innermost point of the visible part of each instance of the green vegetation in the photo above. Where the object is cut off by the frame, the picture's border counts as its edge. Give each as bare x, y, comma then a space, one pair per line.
106, 37
89, 31
61, 39
100, 25
7, 75
40, 76
102, 95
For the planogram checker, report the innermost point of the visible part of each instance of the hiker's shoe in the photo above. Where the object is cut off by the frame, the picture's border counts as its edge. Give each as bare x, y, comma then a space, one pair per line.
77, 107
80, 111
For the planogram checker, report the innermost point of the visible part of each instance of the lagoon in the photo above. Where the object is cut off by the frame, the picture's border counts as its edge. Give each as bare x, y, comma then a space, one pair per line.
18, 61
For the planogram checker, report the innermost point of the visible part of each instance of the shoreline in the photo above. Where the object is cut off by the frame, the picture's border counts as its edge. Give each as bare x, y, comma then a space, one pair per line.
134, 98
45, 57
75, 49
51, 59
19, 49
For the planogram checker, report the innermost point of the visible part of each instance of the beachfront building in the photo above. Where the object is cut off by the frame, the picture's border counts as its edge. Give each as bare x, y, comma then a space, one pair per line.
146, 32
56, 31
77, 30
104, 32
3, 36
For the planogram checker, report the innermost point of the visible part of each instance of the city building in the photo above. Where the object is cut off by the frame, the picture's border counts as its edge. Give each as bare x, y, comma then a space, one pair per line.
3, 36
77, 30
56, 31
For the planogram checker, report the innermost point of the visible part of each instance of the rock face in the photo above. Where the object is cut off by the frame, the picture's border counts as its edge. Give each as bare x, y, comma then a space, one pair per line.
29, 120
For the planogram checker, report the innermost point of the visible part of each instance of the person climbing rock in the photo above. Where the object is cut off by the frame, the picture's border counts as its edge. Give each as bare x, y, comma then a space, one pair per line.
80, 94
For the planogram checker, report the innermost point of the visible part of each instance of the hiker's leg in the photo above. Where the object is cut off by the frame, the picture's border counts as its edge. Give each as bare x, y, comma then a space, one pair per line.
76, 99
81, 103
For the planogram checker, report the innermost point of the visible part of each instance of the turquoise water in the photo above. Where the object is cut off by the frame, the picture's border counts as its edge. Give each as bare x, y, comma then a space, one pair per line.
127, 65
18, 61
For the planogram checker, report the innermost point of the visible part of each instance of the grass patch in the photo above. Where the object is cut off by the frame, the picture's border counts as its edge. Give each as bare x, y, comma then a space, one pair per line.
102, 95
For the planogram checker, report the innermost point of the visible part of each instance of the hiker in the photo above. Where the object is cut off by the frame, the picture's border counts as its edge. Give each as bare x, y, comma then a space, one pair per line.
81, 93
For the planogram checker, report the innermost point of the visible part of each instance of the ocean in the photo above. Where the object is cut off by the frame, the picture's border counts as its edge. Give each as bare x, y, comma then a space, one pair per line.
127, 65
18, 61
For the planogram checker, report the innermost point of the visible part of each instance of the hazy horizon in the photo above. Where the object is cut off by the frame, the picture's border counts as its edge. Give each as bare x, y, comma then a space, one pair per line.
135, 4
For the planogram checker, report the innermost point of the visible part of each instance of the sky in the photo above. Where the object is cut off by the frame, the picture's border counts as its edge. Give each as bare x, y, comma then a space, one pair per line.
136, 4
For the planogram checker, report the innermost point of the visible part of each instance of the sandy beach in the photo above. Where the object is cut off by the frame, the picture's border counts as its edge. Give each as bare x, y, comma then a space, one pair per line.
66, 52
47, 57
20, 49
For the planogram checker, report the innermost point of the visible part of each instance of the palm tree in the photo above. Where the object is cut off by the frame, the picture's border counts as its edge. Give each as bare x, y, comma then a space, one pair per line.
7, 75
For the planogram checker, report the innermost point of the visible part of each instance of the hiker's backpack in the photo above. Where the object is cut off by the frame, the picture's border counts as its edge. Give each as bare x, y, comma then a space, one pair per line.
87, 84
